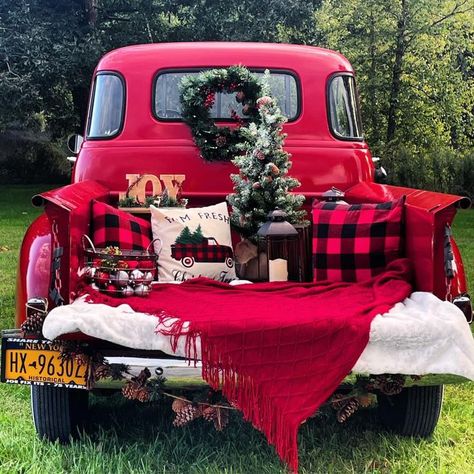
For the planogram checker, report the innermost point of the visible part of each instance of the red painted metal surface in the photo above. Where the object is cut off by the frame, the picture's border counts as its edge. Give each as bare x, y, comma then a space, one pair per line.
147, 145
34, 266
426, 215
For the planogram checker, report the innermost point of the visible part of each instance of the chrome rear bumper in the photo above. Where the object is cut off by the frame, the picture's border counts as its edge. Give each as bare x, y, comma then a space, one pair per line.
183, 375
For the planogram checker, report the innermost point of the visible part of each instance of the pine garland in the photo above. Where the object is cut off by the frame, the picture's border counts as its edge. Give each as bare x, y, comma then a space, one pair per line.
197, 96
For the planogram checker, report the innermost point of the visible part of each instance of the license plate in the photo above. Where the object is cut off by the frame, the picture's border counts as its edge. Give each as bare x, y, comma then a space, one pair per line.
39, 362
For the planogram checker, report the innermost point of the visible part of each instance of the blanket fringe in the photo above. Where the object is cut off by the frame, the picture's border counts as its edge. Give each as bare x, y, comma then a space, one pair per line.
239, 389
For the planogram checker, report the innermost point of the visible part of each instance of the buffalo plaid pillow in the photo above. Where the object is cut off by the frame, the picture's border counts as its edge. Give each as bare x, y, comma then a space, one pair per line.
111, 226
355, 242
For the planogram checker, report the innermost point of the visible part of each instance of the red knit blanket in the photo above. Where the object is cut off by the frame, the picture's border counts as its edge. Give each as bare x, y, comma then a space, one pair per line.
278, 350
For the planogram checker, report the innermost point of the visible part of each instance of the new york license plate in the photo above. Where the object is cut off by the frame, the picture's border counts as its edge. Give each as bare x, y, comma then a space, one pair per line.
39, 362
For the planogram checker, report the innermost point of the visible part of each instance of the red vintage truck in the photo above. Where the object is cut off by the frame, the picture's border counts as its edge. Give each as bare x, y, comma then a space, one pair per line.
134, 126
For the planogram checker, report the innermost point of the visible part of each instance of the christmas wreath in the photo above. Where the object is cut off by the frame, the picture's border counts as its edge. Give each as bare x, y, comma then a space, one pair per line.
197, 95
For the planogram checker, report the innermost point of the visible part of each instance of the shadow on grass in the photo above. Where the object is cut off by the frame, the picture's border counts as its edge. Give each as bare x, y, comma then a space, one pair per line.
129, 433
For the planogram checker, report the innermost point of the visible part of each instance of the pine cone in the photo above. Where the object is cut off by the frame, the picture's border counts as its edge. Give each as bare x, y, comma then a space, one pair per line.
393, 385
187, 414
178, 405
130, 390
33, 324
102, 371
82, 359
365, 400
222, 419
209, 413
348, 410
143, 395
338, 401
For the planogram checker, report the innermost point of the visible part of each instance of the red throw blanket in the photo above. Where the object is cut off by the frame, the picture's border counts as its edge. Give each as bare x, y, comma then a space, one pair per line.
278, 350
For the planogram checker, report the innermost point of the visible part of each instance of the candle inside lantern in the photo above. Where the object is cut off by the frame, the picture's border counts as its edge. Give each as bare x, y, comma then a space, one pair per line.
278, 270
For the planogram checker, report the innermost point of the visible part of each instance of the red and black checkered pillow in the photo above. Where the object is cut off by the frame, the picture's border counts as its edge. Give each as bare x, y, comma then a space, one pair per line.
110, 226
355, 242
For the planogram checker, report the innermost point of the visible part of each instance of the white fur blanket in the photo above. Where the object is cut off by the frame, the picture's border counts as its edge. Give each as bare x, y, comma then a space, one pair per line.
421, 335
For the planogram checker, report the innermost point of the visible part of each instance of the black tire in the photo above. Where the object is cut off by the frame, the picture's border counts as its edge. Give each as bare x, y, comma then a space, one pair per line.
57, 412
413, 412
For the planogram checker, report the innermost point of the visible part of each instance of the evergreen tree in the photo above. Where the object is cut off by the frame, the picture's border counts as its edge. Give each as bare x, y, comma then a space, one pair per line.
197, 237
185, 237
263, 183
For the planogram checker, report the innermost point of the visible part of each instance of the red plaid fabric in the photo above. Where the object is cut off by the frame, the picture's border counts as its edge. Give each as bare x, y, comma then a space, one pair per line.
202, 253
111, 226
355, 242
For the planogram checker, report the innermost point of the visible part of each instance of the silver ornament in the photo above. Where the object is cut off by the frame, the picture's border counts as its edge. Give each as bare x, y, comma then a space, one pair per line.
127, 291
148, 278
142, 290
121, 278
137, 276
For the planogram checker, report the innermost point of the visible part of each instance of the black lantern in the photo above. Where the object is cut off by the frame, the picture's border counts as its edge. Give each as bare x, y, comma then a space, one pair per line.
277, 249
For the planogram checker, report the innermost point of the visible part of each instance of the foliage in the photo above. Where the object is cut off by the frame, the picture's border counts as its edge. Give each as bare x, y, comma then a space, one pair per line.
414, 60
31, 157
263, 183
188, 237
197, 95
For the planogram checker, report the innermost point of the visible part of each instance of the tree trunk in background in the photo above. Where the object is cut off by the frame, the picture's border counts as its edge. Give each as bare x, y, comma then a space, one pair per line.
373, 81
400, 49
91, 8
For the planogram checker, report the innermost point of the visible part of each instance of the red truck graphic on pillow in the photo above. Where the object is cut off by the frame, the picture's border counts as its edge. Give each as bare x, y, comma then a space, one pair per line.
208, 250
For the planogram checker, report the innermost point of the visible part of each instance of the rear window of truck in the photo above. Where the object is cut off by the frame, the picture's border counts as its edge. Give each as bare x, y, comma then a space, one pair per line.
166, 104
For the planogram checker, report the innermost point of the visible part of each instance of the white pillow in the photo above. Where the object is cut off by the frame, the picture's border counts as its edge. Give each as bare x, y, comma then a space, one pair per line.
194, 242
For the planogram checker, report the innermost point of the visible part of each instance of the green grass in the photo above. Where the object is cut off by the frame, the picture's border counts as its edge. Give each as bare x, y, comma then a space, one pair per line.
126, 437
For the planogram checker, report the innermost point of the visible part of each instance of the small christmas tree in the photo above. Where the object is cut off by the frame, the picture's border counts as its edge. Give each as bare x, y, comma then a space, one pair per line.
263, 183
188, 237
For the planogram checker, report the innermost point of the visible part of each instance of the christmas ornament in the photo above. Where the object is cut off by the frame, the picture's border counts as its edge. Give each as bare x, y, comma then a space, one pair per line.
260, 155
95, 287
148, 277
274, 168
137, 276
122, 264
121, 278
110, 288
256, 185
221, 141
101, 277
142, 290
132, 264
127, 291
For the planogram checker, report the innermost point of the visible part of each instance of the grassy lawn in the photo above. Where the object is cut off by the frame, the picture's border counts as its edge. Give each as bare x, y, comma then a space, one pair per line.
126, 437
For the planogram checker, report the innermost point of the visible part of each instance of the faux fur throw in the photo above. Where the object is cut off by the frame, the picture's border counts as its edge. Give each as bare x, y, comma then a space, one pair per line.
277, 350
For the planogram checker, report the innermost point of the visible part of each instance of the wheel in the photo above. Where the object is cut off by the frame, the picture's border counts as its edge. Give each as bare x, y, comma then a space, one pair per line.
57, 412
187, 261
413, 412
229, 262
